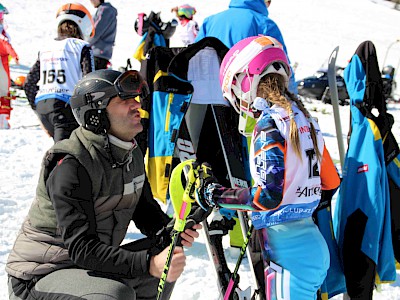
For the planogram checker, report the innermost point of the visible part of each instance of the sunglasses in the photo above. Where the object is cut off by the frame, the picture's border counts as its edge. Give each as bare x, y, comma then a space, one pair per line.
131, 84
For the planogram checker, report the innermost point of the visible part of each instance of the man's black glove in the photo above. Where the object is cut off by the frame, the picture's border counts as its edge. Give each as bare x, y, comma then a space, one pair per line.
162, 238
195, 216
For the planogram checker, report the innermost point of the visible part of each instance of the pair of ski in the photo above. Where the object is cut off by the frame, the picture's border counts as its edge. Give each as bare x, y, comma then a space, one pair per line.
228, 282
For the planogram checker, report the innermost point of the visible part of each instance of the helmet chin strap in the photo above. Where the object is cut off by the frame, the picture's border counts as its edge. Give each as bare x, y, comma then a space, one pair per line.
246, 108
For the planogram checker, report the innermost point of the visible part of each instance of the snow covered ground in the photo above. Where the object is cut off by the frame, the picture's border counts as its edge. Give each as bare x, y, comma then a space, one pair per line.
311, 28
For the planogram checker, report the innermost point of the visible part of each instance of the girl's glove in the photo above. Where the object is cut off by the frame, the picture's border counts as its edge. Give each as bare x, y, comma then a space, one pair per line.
206, 182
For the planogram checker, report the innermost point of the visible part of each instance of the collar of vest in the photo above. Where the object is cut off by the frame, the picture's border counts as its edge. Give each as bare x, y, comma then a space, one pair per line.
120, 150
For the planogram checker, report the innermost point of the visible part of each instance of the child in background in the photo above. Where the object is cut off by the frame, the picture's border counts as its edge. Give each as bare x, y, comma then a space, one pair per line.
3, 26
6, 51
188, 28
61, 63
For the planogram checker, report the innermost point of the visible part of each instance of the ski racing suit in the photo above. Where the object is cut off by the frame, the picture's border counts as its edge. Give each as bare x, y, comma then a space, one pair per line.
285, 194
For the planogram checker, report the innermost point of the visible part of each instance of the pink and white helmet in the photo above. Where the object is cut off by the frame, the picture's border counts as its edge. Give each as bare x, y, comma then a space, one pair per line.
245, 64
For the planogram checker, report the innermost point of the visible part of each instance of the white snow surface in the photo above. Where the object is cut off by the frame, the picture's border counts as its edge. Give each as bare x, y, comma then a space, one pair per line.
311, 29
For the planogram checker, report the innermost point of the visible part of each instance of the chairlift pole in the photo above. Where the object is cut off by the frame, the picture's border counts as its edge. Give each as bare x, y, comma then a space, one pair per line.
387, 52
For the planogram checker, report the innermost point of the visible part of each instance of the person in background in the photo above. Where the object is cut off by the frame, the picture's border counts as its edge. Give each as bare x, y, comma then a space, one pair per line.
102, 43
3, 27
188, 28
290, 167
254, 20
91, 187
6, 52
267, 3
3, 9
61, 64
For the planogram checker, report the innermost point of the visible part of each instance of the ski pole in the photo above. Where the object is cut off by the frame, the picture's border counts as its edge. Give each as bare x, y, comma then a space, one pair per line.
181, 202
335, 103
234, 280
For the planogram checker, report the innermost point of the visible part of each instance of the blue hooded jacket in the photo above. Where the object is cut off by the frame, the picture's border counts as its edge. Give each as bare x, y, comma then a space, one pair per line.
362, 213
243, 18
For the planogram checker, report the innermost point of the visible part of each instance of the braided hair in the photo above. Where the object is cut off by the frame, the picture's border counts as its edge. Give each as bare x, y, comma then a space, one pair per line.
272, 88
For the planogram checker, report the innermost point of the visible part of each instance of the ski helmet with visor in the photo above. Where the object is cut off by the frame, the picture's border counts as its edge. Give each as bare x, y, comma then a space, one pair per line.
186, 11
93, 93
78, 14
242, 68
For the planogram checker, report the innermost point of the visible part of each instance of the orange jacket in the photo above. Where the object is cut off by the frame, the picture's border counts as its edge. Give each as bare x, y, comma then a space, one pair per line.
5, 50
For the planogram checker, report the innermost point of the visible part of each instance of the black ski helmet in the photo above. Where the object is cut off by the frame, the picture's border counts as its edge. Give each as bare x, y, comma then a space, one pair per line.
94, 91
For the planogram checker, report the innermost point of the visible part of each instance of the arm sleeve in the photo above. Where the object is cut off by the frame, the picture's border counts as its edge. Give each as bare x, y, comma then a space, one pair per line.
30, 85
11, 51
87, 60
329, 176
148, 216
269, 164
69, 188
105, 17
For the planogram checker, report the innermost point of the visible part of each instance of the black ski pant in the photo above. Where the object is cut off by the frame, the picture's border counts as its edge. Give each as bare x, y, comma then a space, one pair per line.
57, 118
100, 63
83, 284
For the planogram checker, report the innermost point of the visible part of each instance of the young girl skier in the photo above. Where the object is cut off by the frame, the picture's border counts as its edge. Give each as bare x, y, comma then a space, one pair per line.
61, 63
188, 28
289, 164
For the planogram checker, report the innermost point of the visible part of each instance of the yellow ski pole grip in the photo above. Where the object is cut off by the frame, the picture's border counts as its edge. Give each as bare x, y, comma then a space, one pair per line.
181, 198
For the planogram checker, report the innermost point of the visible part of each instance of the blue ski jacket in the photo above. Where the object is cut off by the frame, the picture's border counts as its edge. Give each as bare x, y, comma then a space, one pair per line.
244, 18
362, 213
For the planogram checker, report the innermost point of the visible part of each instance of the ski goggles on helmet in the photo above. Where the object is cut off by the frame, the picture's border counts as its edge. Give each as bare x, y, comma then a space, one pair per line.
128, 85
186, 11
131, 84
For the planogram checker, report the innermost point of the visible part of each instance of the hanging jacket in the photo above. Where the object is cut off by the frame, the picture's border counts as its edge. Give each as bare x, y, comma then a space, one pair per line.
362, 213
171, 95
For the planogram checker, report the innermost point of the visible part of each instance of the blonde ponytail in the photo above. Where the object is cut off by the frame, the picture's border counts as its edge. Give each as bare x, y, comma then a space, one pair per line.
272, 88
